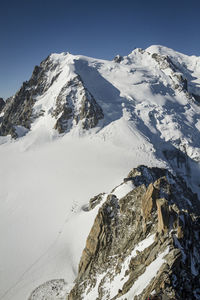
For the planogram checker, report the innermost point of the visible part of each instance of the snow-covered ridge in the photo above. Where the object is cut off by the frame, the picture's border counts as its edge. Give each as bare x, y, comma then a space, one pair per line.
120, 88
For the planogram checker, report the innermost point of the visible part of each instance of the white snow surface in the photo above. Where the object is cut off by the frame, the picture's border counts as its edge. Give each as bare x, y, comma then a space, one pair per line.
47, 178
123, 189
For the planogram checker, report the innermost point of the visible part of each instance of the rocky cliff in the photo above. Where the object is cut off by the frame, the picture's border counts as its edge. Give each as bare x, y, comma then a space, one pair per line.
18, 110
143, 244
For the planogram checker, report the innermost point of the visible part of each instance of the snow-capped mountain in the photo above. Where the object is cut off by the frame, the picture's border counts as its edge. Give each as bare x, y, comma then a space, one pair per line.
74, 130
154, 92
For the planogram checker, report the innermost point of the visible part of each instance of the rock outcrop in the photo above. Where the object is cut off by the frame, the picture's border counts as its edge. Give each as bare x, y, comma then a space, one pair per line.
118, 58
144, 244
179, 81
2, 104
18, 110
76, 104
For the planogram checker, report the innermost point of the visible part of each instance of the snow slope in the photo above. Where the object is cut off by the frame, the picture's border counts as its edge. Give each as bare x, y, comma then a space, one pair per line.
47, 179
44, 188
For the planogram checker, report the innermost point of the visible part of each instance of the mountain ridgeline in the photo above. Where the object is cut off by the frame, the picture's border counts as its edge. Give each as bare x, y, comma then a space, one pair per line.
144, 241
63, 79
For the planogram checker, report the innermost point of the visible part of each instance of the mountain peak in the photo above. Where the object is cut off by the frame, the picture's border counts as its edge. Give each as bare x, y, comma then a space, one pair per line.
159, 49
72, 131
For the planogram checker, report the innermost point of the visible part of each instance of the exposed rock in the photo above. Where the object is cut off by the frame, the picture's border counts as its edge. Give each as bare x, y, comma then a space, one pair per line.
164, 61
182, 80
18, 110
197, 98
163, 214
67, 111
143, 175
178, 80
95, 201
74, 103
118, 58
2, 104
119, 247
149, 201
100, 234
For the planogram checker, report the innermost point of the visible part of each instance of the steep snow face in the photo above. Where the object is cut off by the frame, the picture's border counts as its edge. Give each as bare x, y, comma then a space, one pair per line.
80, 118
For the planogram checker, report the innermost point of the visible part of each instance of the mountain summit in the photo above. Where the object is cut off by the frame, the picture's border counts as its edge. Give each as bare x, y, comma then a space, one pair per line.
66, 90
151, 95
74, 130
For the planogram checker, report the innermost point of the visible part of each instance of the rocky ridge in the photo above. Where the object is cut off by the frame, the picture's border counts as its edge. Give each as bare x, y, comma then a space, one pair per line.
143, 244
73, 104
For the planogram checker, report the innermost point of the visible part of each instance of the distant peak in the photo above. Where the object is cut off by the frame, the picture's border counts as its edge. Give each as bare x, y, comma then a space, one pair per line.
163, 50
59, 57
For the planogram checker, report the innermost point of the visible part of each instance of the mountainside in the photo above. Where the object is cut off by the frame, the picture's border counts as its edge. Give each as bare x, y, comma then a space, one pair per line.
74, 130
143, 243
154, 92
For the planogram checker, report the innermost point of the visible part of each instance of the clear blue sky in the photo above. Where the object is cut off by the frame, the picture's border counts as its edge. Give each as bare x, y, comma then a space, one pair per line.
31, 29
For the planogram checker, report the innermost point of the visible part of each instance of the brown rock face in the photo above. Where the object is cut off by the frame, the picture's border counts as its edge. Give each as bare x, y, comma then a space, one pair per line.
93, 241
149, 201
99, 236
180, 232
119, 247
163, 214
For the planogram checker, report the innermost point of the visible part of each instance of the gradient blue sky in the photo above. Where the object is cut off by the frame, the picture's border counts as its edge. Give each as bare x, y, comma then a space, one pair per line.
31, 29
